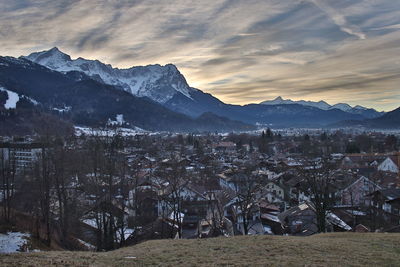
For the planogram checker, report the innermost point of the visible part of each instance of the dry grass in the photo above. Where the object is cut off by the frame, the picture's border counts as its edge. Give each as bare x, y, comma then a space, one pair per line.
339, 249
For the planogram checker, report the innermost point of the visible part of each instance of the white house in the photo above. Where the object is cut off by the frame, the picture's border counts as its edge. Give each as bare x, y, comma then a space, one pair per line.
388, 165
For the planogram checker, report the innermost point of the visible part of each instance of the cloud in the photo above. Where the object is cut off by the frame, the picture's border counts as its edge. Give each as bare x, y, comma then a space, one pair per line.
339, 19
241, 51
388, 27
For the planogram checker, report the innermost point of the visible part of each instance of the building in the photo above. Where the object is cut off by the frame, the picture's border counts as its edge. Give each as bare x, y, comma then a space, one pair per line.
390, 164
355, 193
20, 153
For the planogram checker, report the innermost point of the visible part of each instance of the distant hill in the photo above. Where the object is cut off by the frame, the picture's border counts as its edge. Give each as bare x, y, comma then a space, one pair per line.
336, 249
390, 120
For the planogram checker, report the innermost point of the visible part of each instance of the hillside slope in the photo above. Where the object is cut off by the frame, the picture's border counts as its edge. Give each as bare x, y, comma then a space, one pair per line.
338, 249
390, 120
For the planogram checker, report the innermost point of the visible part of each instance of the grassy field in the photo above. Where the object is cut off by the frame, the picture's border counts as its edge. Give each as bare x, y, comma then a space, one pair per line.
339, 249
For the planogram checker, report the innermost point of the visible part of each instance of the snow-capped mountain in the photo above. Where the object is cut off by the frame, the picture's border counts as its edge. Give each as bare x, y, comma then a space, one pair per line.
360, 107
343, 106
280, 101
159, 83
167, 86
367, 112
36, 99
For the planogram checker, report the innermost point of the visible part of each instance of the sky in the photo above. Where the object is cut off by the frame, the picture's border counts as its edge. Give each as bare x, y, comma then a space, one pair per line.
241, 51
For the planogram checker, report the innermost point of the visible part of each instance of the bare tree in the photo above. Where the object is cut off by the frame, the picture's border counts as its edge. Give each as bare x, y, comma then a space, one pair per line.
320, 178
42, 174
247, 189
173, 173
214, 205
8, 173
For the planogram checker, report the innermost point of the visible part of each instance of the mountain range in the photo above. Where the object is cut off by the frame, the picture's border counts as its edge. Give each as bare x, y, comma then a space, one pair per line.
153, 97
366, 112
77, 99
159, 83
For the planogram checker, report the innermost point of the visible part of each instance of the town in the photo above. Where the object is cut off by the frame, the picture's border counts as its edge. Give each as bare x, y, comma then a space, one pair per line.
102, 192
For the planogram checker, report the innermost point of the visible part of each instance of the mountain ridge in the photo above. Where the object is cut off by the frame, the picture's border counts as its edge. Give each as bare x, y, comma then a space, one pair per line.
91, 103
325, 106
148, 81
390, 120
167, 86
159, 83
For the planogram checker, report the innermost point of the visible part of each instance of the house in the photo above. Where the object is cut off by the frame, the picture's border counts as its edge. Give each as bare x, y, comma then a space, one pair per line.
395, 208
234, 213
101, 216
143, 202
276, 189
384, 203
225, 181
395, 205
384, 198
269, 217
354, 194
386, 179
301, 220
224, 147
362, 160
390, 164
380, 162
144, 206
275, 193
352, 216
195, 204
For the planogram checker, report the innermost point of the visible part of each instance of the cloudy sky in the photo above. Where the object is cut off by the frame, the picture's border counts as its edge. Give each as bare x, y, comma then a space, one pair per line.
241, 51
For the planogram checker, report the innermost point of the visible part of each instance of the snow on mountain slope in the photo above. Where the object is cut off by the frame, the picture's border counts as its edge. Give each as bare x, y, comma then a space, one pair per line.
342, 106
159, 83
320, 104
12, 100
360, 107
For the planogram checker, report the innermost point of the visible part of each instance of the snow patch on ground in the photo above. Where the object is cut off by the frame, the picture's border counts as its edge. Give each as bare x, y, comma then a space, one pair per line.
13, 242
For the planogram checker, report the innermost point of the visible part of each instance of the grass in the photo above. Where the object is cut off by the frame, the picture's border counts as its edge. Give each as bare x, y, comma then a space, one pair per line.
338, 249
